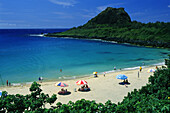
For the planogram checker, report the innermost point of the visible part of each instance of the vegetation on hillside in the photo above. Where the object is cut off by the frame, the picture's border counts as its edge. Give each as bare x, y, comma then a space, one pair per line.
114, 24
152, 98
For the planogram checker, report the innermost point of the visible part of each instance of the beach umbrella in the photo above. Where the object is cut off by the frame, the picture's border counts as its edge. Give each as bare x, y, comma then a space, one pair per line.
61, 84
94, 72
151, 70
81, 82
0, 93
121, 76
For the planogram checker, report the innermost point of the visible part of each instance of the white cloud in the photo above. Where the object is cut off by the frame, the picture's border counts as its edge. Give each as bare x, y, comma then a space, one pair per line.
169, 6
137, 14
64, 2
7, 24
101, 8
63, 15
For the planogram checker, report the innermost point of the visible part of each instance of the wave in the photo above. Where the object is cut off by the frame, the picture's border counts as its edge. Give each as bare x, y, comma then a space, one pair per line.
72, 77
39, 35
133, 68
110, 71
161, 63
21, 84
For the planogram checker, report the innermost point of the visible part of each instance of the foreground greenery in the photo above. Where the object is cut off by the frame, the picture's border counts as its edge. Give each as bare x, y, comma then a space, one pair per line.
152, 98
115, 25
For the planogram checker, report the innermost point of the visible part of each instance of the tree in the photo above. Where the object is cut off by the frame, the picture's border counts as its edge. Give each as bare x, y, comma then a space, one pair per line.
31, 102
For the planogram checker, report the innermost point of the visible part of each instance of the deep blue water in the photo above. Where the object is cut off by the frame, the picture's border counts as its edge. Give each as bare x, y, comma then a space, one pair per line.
25, 56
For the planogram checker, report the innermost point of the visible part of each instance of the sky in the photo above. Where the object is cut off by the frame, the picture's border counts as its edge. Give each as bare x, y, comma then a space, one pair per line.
73, 13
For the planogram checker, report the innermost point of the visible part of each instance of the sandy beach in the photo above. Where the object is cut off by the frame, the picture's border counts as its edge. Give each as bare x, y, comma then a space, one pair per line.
102, 88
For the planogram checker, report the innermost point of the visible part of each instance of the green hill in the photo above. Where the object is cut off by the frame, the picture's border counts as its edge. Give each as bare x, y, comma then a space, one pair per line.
114, 24
111, 16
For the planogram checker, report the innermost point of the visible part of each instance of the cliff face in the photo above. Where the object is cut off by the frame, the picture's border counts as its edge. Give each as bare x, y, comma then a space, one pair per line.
111, 16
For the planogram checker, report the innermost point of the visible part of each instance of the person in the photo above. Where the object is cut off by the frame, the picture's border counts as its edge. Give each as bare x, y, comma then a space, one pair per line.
126, 81
156, 67
140, 68
87, 86
143, 63
104, 74
95, 75
114, 68
62, 89
138, 74
126, 86
83, 86
7, 82
39, 79
60, 70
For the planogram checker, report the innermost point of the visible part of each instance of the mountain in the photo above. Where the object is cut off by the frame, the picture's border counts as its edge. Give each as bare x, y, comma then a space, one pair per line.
111, 16
114, 24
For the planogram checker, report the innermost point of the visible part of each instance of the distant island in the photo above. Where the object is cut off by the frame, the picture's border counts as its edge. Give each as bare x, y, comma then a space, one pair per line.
114, 24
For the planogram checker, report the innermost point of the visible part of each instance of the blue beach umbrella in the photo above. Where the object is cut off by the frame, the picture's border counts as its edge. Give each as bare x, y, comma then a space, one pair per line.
121, 76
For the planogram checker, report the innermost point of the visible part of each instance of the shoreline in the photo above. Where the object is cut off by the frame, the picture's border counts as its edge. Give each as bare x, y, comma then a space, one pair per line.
102, 88
149, 44
18, 84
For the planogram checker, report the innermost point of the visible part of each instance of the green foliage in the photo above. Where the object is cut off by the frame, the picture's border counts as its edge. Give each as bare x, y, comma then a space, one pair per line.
32, 102
115, 24
114, 16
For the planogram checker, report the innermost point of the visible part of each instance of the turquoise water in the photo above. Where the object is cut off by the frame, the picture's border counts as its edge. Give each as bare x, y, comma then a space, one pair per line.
25, 56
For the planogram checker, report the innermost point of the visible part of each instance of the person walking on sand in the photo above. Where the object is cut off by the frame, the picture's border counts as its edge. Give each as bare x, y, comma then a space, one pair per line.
138, 74
104, 74
7, 82
156, 67
140, 68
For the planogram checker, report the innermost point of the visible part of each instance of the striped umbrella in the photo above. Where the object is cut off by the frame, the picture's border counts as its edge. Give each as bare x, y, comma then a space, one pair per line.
61, 84
151, 70
94, 72
81, 82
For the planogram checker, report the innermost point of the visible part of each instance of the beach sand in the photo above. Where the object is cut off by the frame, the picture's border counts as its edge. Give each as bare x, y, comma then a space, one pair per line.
102, 88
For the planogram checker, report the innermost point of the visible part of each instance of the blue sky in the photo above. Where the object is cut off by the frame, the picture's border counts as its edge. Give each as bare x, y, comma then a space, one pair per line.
70, 13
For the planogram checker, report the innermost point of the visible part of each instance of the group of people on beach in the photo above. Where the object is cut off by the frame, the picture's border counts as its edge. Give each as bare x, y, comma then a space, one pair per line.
8, 83
40, 79
84, 88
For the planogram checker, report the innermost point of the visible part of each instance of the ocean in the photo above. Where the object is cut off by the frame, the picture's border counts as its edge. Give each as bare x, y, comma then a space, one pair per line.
25, 55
